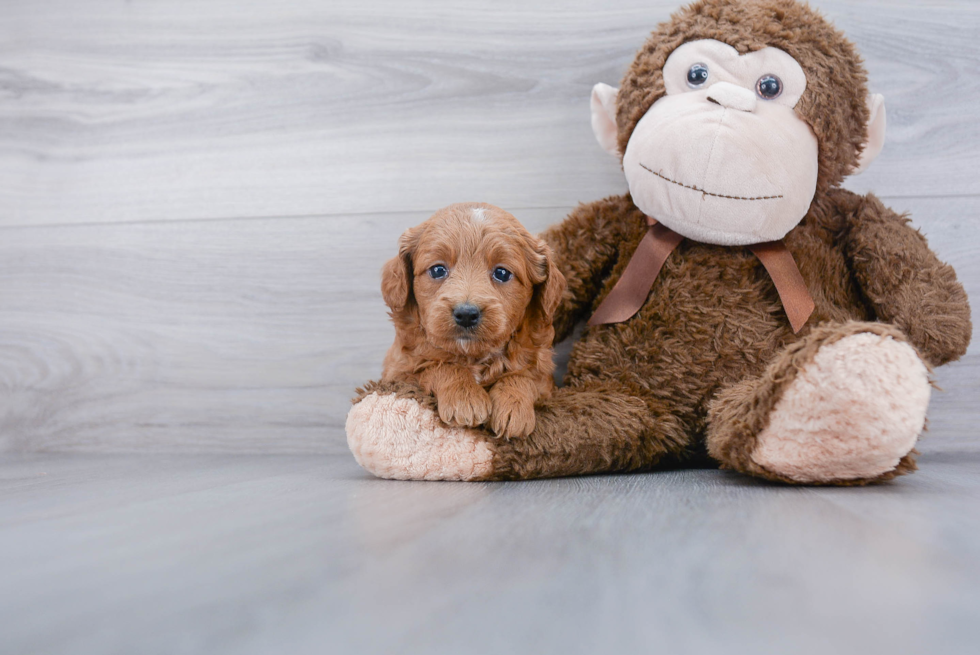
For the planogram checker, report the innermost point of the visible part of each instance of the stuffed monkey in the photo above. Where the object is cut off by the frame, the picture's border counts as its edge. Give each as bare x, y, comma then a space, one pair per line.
741, 306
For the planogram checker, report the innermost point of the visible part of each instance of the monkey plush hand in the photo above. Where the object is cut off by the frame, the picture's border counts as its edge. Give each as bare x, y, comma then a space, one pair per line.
741, 305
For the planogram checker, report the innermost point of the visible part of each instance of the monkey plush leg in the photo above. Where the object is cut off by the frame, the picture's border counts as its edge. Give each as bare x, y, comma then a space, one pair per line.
395, 433
844, 405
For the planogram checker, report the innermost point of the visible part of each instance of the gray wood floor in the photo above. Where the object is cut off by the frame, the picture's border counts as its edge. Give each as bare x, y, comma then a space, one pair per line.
196, 199
293, 554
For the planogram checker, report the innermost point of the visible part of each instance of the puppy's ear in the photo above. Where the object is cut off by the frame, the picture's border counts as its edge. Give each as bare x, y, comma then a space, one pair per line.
395, 284
397, 273
549, 283
552, 291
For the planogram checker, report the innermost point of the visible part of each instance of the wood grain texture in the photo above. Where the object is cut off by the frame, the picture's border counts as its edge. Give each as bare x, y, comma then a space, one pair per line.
184, 110
259, 554
251, 335
241, 336
197, 196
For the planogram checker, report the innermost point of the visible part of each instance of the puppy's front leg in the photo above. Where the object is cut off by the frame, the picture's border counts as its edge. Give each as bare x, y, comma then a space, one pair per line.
461, 400
513, 398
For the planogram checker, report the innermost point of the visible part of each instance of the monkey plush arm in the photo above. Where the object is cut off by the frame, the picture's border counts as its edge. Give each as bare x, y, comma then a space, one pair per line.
903, 280
585, 246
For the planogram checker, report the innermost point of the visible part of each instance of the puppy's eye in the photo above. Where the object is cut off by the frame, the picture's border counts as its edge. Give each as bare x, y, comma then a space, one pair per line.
501, 274
438, 272
697, 75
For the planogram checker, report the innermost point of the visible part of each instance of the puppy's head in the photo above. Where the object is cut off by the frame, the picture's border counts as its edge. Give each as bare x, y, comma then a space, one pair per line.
469, 278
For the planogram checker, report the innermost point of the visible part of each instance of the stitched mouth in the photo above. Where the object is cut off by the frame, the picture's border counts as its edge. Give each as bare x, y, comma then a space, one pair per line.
702, 191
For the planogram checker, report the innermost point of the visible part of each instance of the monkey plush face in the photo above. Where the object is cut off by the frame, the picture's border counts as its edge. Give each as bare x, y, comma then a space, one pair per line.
728, 142
723, 157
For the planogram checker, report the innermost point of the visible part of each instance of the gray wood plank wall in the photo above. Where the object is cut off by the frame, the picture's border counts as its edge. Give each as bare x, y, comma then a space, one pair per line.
197, 196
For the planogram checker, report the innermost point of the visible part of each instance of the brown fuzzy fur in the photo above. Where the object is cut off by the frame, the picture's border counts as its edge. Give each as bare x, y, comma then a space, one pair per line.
713, 333
500, 367
707, 357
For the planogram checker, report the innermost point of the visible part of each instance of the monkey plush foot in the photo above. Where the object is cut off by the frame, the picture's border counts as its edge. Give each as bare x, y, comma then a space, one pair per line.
399, 438
852, 413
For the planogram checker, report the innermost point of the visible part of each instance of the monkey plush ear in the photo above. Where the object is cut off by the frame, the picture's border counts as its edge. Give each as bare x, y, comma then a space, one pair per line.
876, 132
604, 117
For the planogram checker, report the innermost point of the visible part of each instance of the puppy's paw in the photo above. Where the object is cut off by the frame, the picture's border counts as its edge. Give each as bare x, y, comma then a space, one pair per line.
464, 406
512, 415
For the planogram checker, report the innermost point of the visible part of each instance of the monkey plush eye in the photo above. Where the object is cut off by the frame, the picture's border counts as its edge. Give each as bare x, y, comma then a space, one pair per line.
501, 274
769, 87
697, 76
438, 272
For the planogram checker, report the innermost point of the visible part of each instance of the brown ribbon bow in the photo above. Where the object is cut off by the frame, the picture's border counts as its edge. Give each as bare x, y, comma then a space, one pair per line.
634, 286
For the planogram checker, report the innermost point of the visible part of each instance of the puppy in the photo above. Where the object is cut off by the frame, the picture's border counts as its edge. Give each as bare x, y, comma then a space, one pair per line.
472, 296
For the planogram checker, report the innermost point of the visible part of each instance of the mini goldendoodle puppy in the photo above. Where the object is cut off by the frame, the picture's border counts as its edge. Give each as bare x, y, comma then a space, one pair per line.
472, 295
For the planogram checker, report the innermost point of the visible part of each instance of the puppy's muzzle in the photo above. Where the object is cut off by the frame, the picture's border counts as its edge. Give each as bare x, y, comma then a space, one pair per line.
467, 315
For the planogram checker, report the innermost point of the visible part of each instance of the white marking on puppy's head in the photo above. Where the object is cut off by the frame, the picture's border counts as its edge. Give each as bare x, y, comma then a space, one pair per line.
479, 214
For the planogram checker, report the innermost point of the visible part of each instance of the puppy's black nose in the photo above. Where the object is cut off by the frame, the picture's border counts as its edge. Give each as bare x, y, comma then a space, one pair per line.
466, 315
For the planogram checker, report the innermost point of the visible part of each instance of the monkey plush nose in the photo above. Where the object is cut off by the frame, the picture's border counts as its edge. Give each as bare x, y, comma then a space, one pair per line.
732, 96
466, 315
